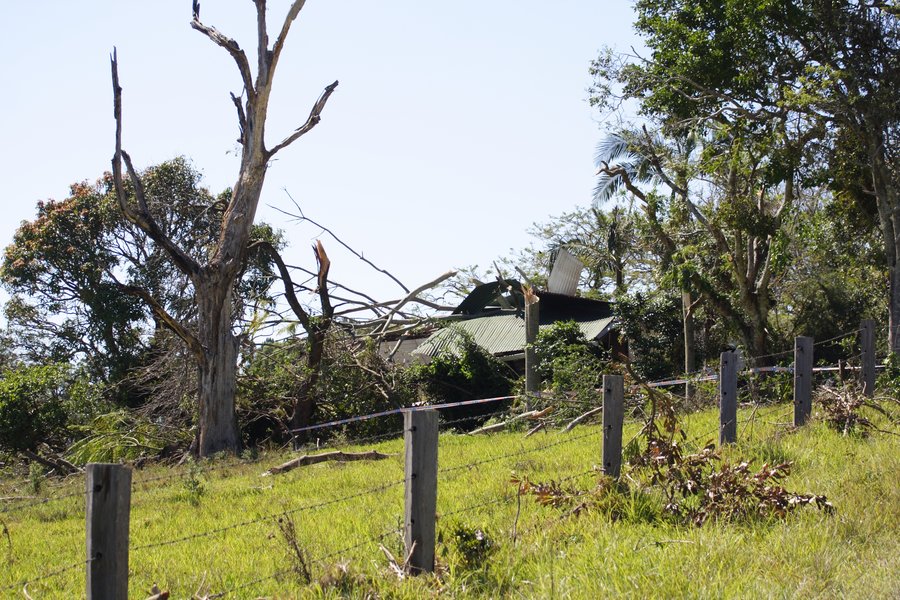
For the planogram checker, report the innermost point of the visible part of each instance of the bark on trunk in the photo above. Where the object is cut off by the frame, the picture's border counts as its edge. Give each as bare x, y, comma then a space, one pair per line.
894, 309
217, 370
304, 402
888, 213
690, 360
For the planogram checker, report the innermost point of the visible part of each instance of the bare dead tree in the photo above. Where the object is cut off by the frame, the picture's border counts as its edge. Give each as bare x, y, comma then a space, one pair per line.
211, 341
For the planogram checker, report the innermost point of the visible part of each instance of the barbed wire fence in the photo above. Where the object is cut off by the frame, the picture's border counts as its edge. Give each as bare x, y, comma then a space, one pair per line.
753, 411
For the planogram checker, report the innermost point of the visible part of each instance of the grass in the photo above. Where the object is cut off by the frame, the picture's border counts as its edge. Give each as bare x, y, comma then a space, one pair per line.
854, 552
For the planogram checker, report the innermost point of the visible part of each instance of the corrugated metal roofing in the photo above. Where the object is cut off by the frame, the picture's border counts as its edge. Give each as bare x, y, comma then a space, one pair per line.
565, 274
500, 334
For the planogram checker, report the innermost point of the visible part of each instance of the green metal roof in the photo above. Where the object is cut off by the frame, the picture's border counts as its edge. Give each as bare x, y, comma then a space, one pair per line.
503, 333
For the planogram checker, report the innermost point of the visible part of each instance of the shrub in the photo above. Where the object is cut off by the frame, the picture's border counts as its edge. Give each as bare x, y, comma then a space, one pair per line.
32, 407
570, 365
466, 372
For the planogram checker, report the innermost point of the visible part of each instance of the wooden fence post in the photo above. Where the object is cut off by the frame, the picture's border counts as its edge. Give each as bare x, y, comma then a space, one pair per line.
108, 515
613, 418
867, 343
532, 326
727, 398
421, 437
803, 374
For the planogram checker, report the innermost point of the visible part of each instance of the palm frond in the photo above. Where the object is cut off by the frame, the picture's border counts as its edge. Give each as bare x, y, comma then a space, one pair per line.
615, 151
611, 149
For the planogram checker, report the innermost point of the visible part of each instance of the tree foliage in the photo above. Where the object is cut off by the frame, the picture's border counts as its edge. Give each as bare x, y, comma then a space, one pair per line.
812, 87
73, 269
33, 406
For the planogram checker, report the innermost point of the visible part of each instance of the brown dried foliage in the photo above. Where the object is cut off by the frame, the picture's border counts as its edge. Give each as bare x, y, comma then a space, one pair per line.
842, 409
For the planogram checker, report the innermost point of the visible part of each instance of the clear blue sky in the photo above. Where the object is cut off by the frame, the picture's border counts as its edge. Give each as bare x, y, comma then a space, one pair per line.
455, 126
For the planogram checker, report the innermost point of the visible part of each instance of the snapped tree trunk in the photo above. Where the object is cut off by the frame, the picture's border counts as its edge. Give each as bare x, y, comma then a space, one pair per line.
304, 400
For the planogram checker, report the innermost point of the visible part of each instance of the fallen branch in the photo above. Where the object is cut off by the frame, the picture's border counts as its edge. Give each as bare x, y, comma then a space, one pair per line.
538, 427
530, 415
578, 420
337, 455
399, 569
58, 464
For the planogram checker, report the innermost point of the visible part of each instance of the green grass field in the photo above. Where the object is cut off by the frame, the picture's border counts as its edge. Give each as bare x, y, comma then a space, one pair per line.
854, 552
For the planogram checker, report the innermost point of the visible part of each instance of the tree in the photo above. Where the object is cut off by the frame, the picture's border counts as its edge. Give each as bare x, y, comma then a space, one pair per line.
721, 224
70, 269
211, 341
827, 67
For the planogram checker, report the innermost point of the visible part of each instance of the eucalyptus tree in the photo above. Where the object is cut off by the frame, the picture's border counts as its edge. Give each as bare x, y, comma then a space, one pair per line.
210, 338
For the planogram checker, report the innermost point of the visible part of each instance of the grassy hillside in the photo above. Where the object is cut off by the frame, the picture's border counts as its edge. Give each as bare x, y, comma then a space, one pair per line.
341, 512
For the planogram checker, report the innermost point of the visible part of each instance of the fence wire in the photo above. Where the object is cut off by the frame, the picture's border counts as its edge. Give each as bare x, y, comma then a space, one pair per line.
49, 575
305, 508
760, 413
322, 560
522, 452
31, 504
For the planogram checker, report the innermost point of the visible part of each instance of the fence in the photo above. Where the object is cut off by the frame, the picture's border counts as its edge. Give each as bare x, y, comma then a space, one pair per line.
108, 487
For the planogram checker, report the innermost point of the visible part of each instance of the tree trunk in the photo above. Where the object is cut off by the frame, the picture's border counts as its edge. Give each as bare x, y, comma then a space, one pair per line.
888, 203
304, 402
894, 312
217, 369
690, 357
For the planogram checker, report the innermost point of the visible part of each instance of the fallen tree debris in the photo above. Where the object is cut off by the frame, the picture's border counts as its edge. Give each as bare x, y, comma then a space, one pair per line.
337, 455
580, 419
531, 415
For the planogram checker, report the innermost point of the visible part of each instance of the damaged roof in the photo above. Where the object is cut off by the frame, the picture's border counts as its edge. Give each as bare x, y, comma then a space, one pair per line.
504, 332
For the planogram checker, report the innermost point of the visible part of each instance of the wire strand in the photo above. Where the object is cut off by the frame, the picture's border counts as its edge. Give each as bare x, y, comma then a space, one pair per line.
248, 522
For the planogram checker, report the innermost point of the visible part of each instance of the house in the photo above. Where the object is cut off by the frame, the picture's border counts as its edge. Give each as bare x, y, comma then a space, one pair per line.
493, 315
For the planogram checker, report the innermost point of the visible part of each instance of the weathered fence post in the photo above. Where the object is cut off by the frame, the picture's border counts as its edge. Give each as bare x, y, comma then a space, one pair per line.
803, 374
867, 343
727, 398
532, 326
613, 418
421, 437
108, 515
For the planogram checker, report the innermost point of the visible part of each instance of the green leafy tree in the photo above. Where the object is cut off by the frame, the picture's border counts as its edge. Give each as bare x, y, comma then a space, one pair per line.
836, 276
463, 371
821, 75
571, 365
32, 407
79, 271
716, 207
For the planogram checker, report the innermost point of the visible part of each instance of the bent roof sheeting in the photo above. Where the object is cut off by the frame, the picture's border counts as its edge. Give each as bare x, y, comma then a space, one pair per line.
500, 334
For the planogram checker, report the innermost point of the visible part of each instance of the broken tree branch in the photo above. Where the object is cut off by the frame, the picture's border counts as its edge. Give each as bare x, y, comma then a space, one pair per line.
531, 415
578, 420
411, 295
303, 217
313, 459
315, 115
220, 39
142, 217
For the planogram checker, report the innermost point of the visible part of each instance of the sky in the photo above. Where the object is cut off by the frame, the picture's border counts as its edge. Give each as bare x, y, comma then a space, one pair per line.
454, 128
